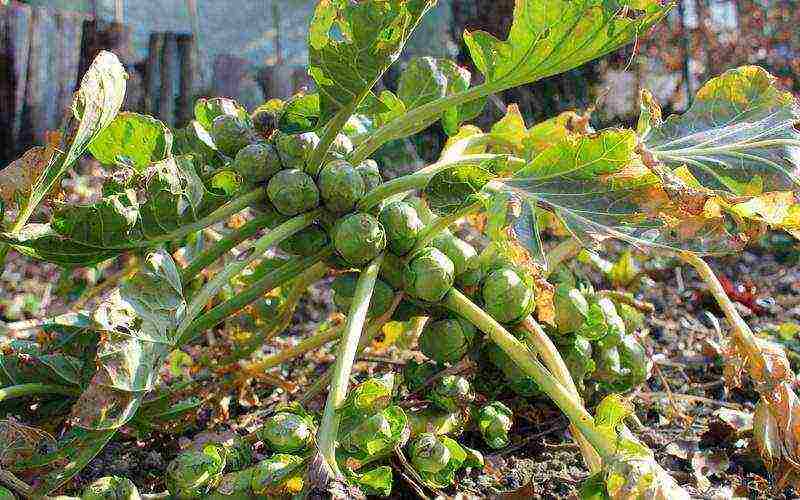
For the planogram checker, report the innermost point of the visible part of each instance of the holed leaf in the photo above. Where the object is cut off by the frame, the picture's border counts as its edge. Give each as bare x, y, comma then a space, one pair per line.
133, 139
740, 135
549, 37
137, 322
351, 44
599, 188
172, 195
94, 107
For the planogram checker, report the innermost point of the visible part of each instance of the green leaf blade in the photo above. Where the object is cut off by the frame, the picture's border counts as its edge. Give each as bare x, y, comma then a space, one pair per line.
550, 37
739, 135
132, 139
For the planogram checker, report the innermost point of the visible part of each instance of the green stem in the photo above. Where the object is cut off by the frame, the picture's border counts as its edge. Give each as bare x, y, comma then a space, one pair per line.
420, 179
258, 249
356, 316
742, 334
22, 390
555, 363
562, 252
370, 333
442, 223
272, 280
309, 344
401, 127
526, 361
224, 245
329, 135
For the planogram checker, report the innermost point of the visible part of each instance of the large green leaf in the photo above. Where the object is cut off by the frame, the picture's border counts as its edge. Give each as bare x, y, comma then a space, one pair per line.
739, 136
167, 196
94, 107
134, 140
137, 324
599, 188
549, 37
351, 44
426, 79
39, 241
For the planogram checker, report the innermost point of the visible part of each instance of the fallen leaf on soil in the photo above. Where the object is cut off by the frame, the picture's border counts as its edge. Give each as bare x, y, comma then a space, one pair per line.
681, 448
776, 427
727, 424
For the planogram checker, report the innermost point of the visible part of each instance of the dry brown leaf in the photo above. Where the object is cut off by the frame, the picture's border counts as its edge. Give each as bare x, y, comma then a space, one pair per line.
776, 427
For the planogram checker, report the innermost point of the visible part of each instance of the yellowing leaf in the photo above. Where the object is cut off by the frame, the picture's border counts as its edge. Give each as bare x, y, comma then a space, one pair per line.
770, 208
511, 128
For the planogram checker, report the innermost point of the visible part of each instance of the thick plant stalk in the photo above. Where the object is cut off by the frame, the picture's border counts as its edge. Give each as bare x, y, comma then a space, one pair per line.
420, 179
356, 316
276, 278
525, 360
261, 245
22, 390
224, 245
555, 363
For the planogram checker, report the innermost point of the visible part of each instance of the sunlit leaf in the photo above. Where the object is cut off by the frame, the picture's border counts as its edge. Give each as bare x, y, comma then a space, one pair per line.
132, 139
599, 188
549, 37
740, 135
351, 44
94, 107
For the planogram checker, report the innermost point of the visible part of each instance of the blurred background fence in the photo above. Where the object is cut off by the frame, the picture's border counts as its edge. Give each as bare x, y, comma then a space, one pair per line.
178, 50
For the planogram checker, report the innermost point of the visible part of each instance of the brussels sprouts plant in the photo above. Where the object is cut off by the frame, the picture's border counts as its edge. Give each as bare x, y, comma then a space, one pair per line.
305, 181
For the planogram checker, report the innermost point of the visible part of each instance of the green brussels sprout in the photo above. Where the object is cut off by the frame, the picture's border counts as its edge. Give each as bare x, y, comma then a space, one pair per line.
416, 374
506, 297
341, 186
257, 162
447, 340
571, 308
307, 242
429, 275
109, 488
435, 421
341, 147
429, 454
451, 393
392, 270
518, 381
265, 120
407, 310
494, 421
462, 254
344, 287
610, 374
614, 324
295, 150
7, 495
287, 432
633, 358
278, 475
292, 192
378, 434
370, 173
403, 226
194, 473
577, 352
231, 134
238, 454
359, 238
